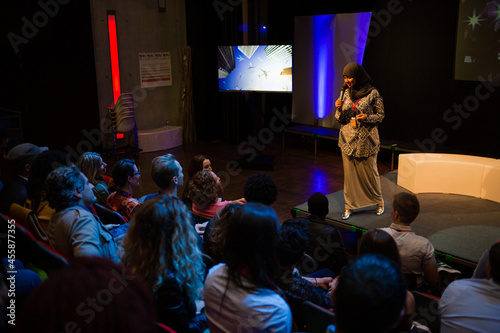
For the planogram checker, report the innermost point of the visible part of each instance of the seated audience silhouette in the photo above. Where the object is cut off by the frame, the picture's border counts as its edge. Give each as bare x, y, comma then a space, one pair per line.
416, 252
167, 174
198, 163
377, 241
36, 188
260, 187
240, 296
205, 194
126, 177
16, 173
370, 295
93, 167
214, 238
325, 246
90, 295
473, 305
291, 248
73, 230
169, 262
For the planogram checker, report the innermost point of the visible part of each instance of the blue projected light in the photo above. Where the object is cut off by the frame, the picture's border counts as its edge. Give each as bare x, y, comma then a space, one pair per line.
323, 64
326, 48
363, 22
320, 180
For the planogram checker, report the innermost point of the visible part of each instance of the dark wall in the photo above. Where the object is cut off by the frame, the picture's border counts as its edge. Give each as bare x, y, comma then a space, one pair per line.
410, 56
411, 61
50, 78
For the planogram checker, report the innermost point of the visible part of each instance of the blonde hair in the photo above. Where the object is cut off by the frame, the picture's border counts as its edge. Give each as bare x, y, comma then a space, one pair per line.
160, 238
89, 164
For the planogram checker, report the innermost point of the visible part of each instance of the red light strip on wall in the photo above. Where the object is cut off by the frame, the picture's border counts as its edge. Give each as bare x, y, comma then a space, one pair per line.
113, 50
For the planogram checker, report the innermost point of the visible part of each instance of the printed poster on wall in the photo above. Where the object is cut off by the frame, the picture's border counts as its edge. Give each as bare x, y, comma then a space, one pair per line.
155, 68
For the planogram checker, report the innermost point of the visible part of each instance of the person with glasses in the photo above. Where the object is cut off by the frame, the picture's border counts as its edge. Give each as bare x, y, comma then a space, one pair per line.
126, 177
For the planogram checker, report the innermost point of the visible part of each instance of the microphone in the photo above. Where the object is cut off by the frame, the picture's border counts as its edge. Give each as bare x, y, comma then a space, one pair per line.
344, 87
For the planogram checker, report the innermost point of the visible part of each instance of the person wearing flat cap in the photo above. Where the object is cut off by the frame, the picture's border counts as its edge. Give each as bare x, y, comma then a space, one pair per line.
359, 113
18, 164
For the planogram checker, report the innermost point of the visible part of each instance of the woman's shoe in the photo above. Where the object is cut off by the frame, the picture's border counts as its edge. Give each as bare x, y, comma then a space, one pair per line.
346, 215
380, 210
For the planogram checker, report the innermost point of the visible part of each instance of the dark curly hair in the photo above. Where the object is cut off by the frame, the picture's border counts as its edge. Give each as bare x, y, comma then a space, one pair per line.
204, 189
260, 187
61, 184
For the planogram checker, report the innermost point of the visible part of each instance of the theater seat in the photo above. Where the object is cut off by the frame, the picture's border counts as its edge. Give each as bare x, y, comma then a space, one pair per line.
28, 219
426, 311
107, 216
316, 318
29, 250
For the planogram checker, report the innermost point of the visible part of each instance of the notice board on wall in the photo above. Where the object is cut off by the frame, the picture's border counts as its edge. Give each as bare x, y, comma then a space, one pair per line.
155, 69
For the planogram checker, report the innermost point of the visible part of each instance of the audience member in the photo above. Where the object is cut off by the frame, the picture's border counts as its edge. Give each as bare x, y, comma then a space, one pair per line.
480, 272
214, 238
416, 252
325, 242
370, 295
73, 230
377, 241
126, 177
167, 175
93, 167
260, 187
205, 194
240, 296
16, 173
473, 305
36, 188
291, 248
198, 163
169, 262
90, 295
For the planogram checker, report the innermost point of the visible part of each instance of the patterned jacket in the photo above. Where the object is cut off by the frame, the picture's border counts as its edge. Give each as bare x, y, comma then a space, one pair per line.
362, 140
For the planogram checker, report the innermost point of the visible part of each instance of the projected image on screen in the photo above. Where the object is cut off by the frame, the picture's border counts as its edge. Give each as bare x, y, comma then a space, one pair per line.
255, 68
478, 40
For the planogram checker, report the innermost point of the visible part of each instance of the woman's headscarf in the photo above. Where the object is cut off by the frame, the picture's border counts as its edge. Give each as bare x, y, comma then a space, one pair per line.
363, 84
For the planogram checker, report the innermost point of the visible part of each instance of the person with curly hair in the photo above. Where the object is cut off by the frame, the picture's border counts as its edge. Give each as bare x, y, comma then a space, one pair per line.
205, 194
93, 167
260, 187
73, 230
170, 262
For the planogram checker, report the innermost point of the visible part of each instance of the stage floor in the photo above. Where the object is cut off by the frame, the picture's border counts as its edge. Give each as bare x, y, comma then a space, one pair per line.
459, 227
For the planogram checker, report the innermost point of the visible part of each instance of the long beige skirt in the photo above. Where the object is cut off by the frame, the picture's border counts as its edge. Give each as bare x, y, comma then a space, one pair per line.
361, 182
